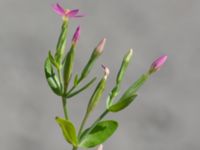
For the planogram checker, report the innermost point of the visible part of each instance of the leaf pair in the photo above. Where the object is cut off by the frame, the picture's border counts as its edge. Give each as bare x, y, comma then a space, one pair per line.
51, 77
90, 137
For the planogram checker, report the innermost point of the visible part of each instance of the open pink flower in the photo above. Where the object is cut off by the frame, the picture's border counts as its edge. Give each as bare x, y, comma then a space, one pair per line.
66, 12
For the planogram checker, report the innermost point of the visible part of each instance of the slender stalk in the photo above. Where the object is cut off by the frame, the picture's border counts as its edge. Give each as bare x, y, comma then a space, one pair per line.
83, 123
64, 103
64, 100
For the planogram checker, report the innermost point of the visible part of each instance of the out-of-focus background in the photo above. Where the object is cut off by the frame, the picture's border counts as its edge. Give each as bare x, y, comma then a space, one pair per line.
165, 116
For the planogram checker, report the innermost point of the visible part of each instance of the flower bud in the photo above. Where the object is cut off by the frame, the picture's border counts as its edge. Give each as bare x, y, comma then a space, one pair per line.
76, 35
100, 46
106, 71
157, 64
100, 147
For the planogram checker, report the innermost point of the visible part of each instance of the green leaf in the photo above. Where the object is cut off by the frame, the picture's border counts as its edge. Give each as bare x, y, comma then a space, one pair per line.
122, 103
68, 66
99, 134
52, 60
68, 129
52, 79
81, 89
76, 80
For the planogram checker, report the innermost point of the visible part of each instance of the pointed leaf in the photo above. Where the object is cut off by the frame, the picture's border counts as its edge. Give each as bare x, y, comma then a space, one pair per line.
122, 103
68, 130
81, 89
52, 79
99, 134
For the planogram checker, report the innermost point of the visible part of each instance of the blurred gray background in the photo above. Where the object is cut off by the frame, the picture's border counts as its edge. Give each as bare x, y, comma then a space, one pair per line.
165, 116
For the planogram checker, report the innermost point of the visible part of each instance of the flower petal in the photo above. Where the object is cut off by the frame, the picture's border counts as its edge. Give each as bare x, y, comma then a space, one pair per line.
58, 9
72, 13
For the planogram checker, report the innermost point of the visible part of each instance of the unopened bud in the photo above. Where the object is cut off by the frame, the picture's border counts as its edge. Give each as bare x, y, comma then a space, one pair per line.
157, 64
100, 147
106, 71
76, 35
100, 46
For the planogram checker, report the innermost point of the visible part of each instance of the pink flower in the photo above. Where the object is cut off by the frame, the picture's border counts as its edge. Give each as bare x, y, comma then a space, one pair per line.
76, 35
158, 63
100, 147
66, 12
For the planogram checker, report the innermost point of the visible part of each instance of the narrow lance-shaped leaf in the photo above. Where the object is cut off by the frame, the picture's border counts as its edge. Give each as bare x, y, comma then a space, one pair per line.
52, 78
60, 48
122, 103
81, 89
68, 129
99, 134
68, 67
95, 54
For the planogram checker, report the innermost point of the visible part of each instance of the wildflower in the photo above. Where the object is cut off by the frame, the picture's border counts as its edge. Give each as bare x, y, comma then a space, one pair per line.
66, 13
100, 147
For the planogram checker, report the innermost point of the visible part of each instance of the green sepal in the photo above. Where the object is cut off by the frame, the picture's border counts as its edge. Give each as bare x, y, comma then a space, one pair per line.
51, 77
122, 103
89, 65
96, 96
81, 89
99, 134
68, 66
68, 130
135, 86
60, 48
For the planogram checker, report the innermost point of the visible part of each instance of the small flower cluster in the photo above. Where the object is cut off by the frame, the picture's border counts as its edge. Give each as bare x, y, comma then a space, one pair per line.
59, 73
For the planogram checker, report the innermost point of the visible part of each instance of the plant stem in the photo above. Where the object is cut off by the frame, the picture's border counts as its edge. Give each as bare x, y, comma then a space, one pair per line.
64, 100
64, 103
74, 148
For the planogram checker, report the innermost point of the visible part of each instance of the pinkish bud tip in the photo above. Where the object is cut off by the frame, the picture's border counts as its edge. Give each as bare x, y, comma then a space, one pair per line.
158, 63
76, 35
101, 45
100, 147
106, 71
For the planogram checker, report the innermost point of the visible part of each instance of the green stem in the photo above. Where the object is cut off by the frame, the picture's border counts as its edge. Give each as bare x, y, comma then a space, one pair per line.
64, 103
74, 148
64, 100
83, 123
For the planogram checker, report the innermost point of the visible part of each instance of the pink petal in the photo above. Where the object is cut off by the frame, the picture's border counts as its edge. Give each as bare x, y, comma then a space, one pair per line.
72, 13
58, 9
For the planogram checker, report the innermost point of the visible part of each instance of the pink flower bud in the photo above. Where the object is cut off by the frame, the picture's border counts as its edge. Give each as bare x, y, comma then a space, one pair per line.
100, 46
100, 147
106, 71
158, 63
76, 35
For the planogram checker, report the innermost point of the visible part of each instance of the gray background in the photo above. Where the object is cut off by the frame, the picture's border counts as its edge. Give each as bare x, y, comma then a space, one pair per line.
164, 116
